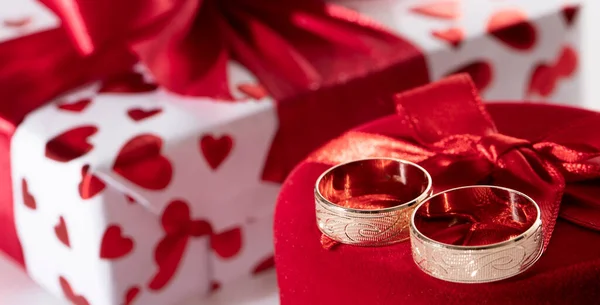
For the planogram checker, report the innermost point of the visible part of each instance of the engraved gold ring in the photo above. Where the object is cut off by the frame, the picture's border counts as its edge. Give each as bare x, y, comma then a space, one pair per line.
476, 234
369, 202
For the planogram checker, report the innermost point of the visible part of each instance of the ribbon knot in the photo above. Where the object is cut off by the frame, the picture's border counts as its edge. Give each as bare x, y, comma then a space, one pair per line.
447, 130
491, 147
496, 145
291, 46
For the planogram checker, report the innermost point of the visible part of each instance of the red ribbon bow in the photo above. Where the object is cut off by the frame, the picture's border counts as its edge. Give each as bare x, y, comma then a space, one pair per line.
454, 138
291, 46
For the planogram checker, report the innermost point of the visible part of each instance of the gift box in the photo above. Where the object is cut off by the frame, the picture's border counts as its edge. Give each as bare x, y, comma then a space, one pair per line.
126, 183
512, 49
549, 152
145, 170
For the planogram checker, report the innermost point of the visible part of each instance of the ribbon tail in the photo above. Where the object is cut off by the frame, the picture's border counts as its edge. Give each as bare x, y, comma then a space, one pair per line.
435, 113
526, 172
36, 60
92, 25
582, 204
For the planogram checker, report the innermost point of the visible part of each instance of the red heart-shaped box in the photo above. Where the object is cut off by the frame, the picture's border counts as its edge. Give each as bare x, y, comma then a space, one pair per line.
567, 273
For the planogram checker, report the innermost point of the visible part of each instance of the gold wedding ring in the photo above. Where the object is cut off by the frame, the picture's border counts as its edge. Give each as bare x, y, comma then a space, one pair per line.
476, 234
369, 202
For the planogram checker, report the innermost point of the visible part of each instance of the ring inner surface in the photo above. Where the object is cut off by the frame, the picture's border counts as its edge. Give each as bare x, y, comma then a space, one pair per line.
475, 216
373, 184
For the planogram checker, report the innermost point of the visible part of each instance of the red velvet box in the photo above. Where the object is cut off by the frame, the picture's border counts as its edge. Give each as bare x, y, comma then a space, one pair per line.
567, 273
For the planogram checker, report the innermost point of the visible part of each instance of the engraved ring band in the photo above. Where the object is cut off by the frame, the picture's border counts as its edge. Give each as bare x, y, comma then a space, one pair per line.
476, 234
369, 202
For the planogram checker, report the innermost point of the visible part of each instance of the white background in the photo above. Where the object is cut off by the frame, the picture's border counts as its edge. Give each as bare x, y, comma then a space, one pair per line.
17, 289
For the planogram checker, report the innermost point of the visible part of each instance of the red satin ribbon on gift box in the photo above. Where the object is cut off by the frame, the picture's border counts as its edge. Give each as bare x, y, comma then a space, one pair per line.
292, 47
454, 138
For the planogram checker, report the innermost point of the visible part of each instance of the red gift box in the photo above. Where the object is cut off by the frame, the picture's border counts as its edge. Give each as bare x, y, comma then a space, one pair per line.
533, 148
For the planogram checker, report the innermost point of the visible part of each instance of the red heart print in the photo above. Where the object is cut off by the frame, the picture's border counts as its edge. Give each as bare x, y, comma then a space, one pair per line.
567, 62
542, 81
448, 9
264, 265
61, 232
454, 36
28, 199
131, 294
70, 144
214, 286
140, 161
480, 71
179, 228
17, 23
545, 77
129, 199
227, 244
570, 13
512, 28
77, 106
70, 294
215, 150
130, 82
90, 185
256, 92
114, 245
138, 114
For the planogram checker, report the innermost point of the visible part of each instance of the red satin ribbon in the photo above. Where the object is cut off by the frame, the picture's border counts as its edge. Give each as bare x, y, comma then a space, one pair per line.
291, 46
454, 138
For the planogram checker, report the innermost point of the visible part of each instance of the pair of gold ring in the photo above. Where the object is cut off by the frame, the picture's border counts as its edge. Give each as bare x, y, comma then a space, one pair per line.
471, 234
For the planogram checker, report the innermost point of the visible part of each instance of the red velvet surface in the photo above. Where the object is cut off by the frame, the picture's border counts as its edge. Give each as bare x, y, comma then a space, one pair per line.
567, 273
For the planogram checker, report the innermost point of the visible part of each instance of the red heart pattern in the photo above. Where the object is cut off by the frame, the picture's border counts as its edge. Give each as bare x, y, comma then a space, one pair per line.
543, 80
215, 150
545, 76
567, 62
138, 114
512, 27
114, 245
90, 185
131, 294
129, 199
17, 23
445, 9
454, 36
253, 91
130, 82
62, 233
481, 72
28, 199
227, 244
264, 265
140, 161
77, 106
71, 144
214, 286
178, 227
70, 294
570, 14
